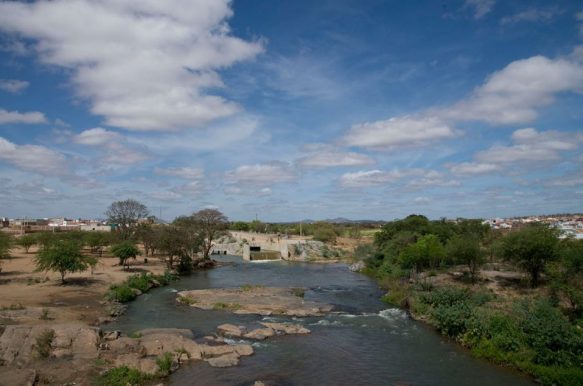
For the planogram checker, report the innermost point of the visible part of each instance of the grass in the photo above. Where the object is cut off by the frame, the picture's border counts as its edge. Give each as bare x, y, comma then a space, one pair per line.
128, 290
226, 306
13, 307
250, 287
164, 363
188, 300
123, 376
44, 314
298, 291
134, 335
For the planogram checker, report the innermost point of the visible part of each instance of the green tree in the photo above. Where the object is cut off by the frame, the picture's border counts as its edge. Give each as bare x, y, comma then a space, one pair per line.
240, 226
26, 241
426, 252
126, 214
212, 223
568, 281
96, 241
5, 245
531, 248
63, 256
124, 251
466, 250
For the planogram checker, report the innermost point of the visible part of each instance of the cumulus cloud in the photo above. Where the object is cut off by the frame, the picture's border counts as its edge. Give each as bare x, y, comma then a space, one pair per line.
18, 117
513, 94
33, 158
13, 86
532, 15
531, 145
146, 65
480, 7
247, 191
324, 156
117, 152
183, 172
398, 131
365, 178
261, 174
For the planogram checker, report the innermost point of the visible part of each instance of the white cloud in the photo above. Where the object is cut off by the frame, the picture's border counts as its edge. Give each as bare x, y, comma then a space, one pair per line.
472, 168
376, 177
422, 200
532, 15
261, 174
186, 173
480, 7
531, 145
145, 65
324, 156
33, 158
18, 117
398, 131
247, 191
13, 85
513, 94
117, 152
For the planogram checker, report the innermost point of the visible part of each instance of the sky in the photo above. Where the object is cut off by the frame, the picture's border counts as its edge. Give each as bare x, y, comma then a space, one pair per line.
290, 110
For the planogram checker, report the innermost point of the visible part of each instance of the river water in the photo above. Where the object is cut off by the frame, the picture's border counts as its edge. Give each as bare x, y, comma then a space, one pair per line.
370, 344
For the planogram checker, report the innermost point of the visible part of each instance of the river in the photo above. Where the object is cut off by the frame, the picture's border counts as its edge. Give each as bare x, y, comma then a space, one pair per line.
370, 344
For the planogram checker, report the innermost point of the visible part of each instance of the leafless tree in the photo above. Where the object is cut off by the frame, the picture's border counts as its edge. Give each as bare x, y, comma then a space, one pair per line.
126, 215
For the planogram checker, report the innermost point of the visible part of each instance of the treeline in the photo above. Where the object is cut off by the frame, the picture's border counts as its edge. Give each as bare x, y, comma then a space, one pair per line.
535, 325
324, 231
184, 245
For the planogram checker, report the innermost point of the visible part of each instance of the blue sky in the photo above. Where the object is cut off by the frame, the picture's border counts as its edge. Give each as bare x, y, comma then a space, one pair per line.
292, 110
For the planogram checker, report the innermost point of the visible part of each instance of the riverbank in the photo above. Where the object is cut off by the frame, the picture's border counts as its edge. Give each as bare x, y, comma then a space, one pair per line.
495, 318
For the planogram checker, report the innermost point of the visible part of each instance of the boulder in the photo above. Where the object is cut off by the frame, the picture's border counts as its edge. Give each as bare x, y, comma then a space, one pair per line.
357, 267
227, 360
287, 328
135, 361
230, 330
260, 334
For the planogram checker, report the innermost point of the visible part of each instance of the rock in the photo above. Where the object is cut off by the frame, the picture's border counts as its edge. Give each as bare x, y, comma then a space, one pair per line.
17, 377
357, 267
260, 333
111, 335
287, 328
230, 330
244, 349
135, 361
159, 343
258, 383
174, 331
227, 360
104, 320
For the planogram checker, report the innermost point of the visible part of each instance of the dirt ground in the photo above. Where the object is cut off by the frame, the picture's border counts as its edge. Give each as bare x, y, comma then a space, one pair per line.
31, 297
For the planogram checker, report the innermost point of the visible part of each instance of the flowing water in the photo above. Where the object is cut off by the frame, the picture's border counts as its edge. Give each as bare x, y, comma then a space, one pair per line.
369, 344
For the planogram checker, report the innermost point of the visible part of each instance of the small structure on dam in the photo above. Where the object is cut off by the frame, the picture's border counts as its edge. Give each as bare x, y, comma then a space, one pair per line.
256, 253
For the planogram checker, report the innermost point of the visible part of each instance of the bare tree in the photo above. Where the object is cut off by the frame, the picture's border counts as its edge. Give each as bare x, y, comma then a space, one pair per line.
126, 215
212, 223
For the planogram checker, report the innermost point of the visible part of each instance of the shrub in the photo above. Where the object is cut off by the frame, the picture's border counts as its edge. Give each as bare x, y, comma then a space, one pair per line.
63, 256
43, 343
164, 363
123, 376
140, 282
121, 293
446, 296
451, 319
124, 251
26, 242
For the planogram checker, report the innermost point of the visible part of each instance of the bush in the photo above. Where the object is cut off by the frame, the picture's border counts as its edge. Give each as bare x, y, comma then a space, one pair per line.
44, 342
140, 282
123, 376
124, 251
451, 319
63, 256
446, 296
121, 293
164, 363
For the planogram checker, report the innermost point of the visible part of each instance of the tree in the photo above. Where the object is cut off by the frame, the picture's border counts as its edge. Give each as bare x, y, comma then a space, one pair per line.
96, 241
531, 248
63, 256
178, 241
466, 250
147, 235
212, 224
124, 251
5, 245
426, 252
568, 278
26, 241
240, 226
126, 215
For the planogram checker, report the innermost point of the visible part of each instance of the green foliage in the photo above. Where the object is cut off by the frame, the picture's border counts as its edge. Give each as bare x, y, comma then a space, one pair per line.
451, 319
427, 252
97, 240
446, 296
121, 293
240, 226
298, 291
554, 340
5, 245
466, 250
531, 249
164, 363
26, 241
324, 232
140, 282
62, 256
43, 343
124, 251
123, 376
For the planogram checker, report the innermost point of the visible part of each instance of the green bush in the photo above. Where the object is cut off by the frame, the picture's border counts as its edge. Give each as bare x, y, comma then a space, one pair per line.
123, 376
554, 340
121, 293
44, 342
451, 319
446, 296
164, 363
140, 281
